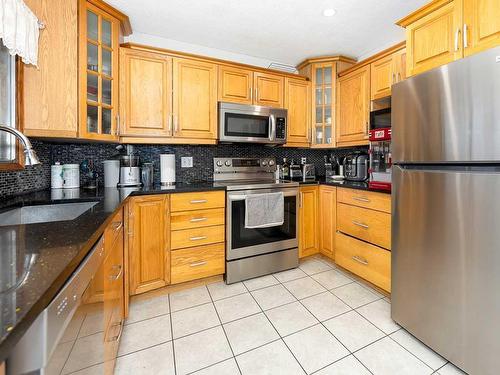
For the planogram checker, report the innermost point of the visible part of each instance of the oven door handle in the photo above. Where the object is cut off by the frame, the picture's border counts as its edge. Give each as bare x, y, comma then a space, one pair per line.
242, 197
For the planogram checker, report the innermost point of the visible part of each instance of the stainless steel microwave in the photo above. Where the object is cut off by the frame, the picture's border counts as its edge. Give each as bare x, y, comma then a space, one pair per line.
252, 124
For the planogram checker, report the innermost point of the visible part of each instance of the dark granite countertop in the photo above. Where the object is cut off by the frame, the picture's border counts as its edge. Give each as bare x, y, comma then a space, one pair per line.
54, 249
344, 183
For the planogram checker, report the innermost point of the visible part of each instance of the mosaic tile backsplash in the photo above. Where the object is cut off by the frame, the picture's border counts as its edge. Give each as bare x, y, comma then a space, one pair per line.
38, 177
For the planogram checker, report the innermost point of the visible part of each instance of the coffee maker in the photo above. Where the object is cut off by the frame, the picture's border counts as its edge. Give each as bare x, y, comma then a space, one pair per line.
130, 172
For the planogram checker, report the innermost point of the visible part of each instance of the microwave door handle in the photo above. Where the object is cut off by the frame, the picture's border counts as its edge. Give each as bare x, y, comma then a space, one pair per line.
272, 123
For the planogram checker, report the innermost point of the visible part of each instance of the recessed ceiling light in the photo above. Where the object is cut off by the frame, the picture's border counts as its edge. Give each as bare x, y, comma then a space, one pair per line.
329, 12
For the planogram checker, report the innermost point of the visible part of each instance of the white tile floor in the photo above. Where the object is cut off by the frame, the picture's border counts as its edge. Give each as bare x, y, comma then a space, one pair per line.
316, 319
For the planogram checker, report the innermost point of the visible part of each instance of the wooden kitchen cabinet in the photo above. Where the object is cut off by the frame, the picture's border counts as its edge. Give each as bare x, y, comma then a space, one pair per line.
235, 85
308, 221
269, 89
99, 41
145, 94
385, 72
447, 30
149, 245
327, 219
298, 104
353, 107
482, 18
194, 100
50, 91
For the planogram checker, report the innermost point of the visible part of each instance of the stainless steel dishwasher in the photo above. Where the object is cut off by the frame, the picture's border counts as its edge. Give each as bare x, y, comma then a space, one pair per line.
68, 335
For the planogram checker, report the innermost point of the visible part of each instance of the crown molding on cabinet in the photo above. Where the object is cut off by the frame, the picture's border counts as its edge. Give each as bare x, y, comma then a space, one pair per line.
123, 18
422, 12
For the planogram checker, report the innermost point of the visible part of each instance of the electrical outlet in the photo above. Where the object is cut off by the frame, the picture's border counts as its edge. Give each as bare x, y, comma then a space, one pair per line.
303, 160
187, 162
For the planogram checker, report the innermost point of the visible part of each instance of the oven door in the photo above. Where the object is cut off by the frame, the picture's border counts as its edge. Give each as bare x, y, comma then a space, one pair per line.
243, 242
245, 123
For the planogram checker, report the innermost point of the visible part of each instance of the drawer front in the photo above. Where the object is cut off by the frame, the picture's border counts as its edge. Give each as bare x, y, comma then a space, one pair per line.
197, 219
197, 201
196, 263
368, 225
114, 228
366, 199
370, 262
195, 237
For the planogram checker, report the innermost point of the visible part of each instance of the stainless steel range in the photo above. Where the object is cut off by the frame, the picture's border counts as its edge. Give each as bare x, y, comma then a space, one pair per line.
252, 252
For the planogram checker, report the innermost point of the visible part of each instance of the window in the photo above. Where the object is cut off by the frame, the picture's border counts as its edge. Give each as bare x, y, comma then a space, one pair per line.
7, 105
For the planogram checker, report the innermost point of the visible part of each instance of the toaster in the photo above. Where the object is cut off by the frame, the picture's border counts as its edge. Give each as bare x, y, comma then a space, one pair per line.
356, 166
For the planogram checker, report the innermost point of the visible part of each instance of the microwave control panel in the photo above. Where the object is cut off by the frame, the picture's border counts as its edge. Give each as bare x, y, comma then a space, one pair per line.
280, 128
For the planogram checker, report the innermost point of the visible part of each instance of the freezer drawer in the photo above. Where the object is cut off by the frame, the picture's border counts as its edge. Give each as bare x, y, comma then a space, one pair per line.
446, 263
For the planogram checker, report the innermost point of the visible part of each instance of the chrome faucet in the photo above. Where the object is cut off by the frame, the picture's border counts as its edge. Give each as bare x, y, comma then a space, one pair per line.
29, 152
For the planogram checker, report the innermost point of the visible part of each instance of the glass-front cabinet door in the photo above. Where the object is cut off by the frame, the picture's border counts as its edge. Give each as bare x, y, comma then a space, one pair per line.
99, 47
324, 78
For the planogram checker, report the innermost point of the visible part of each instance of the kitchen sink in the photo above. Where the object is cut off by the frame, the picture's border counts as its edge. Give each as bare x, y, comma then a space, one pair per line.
44, 213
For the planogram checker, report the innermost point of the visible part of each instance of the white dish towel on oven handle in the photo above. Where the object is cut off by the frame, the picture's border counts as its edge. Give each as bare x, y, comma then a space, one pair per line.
264, 210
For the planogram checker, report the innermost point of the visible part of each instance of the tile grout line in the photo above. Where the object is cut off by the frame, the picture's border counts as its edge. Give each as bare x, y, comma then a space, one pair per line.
172, 333
223, 329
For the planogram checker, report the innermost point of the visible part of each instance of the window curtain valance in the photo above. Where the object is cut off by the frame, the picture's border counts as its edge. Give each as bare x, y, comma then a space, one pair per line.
19, 30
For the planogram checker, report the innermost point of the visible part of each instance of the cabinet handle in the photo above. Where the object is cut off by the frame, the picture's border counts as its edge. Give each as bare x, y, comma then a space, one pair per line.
197, 219
393, 78
197, 264
117, 337
169, 130
196, 201
457, 35
251, 93
176, 124
399, 77
361, 199
197, 238
256, 93
466, 42
360, 260
300, 200
117, 226
117, 276
117, 131
360, 224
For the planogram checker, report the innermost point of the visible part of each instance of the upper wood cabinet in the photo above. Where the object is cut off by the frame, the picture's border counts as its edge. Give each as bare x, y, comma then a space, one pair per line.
245, 86
447, 30
194, 99
298, 104
145, 94
269, 89
166, 99
481, 25
327, 219
149, 252
385, 72
50, 91
353, 107
308, 221
235, 85
99, 42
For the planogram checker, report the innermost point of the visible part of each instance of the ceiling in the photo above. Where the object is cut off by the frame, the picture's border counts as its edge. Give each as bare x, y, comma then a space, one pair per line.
285, 31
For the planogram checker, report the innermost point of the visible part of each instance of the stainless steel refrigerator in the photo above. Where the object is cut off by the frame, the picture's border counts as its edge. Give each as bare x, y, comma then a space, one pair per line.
446, 210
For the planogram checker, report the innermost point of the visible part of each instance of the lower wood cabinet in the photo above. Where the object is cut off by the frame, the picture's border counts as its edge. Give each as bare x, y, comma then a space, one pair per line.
327, 219
370, 262
308, 221
149, 250
198, 262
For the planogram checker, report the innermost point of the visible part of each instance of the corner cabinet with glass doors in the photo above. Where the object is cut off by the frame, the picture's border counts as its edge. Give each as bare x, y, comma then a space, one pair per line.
323, 74
100, 32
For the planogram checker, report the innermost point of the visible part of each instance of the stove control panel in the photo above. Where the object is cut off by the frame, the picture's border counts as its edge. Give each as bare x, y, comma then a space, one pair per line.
237, 165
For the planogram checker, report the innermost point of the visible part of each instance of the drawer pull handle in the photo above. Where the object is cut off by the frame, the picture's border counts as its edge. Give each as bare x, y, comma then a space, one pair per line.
197, 264
117, 337
361, 199
197, 219
360, 260
198, 238
360, 224
117, 226
195, 201
117, 276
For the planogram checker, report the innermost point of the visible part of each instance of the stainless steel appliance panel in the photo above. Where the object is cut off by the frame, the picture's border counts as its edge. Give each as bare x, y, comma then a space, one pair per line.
449, 114
445, 259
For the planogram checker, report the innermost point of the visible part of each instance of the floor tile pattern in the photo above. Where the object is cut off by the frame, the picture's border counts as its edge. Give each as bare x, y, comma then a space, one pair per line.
315, 319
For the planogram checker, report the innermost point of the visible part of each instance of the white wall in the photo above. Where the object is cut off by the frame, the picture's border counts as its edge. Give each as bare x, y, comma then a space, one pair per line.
160, 42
